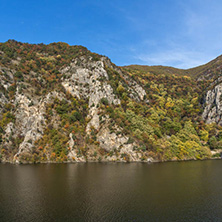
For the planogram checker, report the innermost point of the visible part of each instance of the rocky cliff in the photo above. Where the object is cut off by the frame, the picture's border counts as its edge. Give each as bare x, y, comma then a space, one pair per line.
25, 119
61, 103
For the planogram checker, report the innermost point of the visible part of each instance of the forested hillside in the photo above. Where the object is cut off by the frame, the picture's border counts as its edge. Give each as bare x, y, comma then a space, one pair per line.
61, 103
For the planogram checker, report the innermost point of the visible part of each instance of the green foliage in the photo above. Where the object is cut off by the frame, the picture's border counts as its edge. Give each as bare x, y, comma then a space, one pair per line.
169, 124
166, 124
19, 75
104, 101
204, 135
120, 89
138, 123
213, 142
186, 144
55, 140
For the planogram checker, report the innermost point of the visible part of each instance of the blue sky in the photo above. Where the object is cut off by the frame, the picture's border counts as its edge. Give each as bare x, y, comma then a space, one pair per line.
179, 33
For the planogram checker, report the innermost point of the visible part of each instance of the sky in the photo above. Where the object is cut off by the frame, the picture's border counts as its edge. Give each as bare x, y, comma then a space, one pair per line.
178, 33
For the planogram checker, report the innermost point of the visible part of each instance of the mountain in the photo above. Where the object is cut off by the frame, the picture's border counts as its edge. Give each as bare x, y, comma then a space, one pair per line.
61, 103
207, 71
209, 75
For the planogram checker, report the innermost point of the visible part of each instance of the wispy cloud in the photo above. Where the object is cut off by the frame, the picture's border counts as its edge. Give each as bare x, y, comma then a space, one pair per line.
176, 58
195, 42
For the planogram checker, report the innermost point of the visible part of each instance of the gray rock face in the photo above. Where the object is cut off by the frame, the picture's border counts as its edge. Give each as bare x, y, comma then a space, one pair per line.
30, 122
110, 141
72, 155
89, 82
136, 91
84, 79
3, 101
213, 105
6, 79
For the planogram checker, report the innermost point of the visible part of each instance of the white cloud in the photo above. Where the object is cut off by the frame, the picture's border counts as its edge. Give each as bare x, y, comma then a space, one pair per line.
176, 58
197, 41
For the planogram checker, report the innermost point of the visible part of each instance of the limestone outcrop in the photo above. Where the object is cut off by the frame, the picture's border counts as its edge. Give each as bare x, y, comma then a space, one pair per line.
213, 105
84, 79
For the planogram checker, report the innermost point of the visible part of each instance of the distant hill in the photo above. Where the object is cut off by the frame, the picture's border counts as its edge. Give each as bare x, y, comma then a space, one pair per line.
209, 70
157, 69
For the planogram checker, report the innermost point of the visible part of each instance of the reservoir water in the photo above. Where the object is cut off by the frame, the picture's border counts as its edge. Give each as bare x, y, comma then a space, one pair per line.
174, 191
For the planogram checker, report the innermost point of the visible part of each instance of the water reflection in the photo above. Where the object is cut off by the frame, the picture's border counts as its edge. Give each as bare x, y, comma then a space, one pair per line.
186, 191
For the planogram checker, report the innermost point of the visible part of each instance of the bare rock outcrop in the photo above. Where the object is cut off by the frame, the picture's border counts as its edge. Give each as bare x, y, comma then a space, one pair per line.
84, 78
213, 105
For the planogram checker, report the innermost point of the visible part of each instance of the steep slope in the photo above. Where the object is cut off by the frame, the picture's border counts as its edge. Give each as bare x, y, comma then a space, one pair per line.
208, 75
157, 69
208, 71
52, 105
61, 103
211, 74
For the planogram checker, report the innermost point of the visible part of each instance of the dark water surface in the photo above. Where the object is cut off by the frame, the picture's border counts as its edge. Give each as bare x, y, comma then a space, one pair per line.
185, 191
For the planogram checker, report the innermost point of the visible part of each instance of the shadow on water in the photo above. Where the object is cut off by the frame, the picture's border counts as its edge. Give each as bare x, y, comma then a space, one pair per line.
185, 191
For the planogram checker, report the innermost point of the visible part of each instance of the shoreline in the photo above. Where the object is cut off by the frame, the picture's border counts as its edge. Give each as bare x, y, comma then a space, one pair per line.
73, 162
